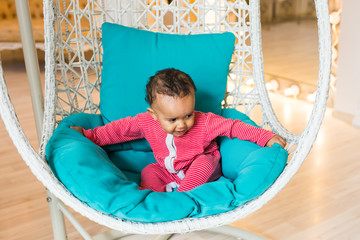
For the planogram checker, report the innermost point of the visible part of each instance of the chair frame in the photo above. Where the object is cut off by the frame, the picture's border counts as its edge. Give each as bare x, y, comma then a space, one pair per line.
46, 121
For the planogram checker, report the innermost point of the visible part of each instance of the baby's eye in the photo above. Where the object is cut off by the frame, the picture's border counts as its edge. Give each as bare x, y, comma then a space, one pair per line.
188, 116
172, 120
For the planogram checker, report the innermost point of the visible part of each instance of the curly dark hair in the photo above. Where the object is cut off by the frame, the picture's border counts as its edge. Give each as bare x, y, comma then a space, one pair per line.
170, 82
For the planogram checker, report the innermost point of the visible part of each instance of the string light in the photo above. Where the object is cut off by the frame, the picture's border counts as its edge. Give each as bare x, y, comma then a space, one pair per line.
311, 97
229, 99
333, 82
249, 82
232, 76
230, 86
293, 90
273, 85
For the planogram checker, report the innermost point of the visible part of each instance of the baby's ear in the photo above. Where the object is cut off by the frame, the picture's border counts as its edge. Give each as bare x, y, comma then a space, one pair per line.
152, 113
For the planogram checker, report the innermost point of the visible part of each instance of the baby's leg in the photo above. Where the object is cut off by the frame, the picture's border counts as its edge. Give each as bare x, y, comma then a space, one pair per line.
155, 178
205, 168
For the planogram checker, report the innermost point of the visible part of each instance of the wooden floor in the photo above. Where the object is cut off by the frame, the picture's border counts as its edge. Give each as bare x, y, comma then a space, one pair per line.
290, 51
322, 201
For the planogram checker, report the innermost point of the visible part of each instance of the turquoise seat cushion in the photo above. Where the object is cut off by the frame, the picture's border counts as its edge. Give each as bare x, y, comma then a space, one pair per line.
107, 178
131, 56
251, 167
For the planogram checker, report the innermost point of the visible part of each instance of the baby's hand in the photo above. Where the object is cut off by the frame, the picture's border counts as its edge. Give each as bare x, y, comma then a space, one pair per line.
276, 139
79, 129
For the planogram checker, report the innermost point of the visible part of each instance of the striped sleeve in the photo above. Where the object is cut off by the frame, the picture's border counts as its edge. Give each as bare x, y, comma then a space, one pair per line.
122, 130
219, 126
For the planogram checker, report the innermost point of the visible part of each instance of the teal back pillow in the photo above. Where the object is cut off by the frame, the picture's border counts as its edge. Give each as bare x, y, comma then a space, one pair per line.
131, 56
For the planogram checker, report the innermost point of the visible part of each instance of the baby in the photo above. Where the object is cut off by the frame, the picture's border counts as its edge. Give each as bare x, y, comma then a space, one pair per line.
182, 140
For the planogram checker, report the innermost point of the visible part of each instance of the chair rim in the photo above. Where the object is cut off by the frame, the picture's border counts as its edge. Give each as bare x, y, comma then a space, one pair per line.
41, 170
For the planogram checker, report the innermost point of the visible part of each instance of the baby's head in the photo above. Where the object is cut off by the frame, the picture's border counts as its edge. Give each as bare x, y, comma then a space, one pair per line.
171, 95
170, 82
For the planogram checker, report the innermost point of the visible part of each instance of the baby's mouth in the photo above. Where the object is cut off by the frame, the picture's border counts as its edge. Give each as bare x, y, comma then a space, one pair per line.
180, 133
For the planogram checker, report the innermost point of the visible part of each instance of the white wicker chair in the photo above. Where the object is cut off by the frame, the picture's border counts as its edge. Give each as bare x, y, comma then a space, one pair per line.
73, 71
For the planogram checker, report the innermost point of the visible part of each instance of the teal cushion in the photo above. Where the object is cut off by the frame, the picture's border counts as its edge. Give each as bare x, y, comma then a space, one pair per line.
101, 178
131, 56
249, 165
231, 149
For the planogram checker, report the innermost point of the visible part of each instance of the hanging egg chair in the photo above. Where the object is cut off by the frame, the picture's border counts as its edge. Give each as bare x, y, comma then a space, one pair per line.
98, 54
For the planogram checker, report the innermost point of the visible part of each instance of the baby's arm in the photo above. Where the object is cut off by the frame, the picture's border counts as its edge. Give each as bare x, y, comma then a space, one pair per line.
219, 126
122, 130
79, 129
276, 139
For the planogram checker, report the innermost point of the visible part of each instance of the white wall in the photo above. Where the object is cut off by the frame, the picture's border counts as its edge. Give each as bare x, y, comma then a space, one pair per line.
347, 97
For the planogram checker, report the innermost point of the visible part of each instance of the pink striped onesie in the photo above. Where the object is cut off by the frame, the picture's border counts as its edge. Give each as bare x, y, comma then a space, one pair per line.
182, 162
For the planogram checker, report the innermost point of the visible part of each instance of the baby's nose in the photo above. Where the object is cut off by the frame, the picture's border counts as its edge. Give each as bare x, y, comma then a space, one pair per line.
181, 124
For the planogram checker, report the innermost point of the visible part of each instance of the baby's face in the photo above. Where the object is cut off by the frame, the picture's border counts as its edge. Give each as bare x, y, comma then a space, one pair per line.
176, 115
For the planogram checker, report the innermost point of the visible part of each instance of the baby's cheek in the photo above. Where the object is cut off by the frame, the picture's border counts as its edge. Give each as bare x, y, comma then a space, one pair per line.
168, 129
